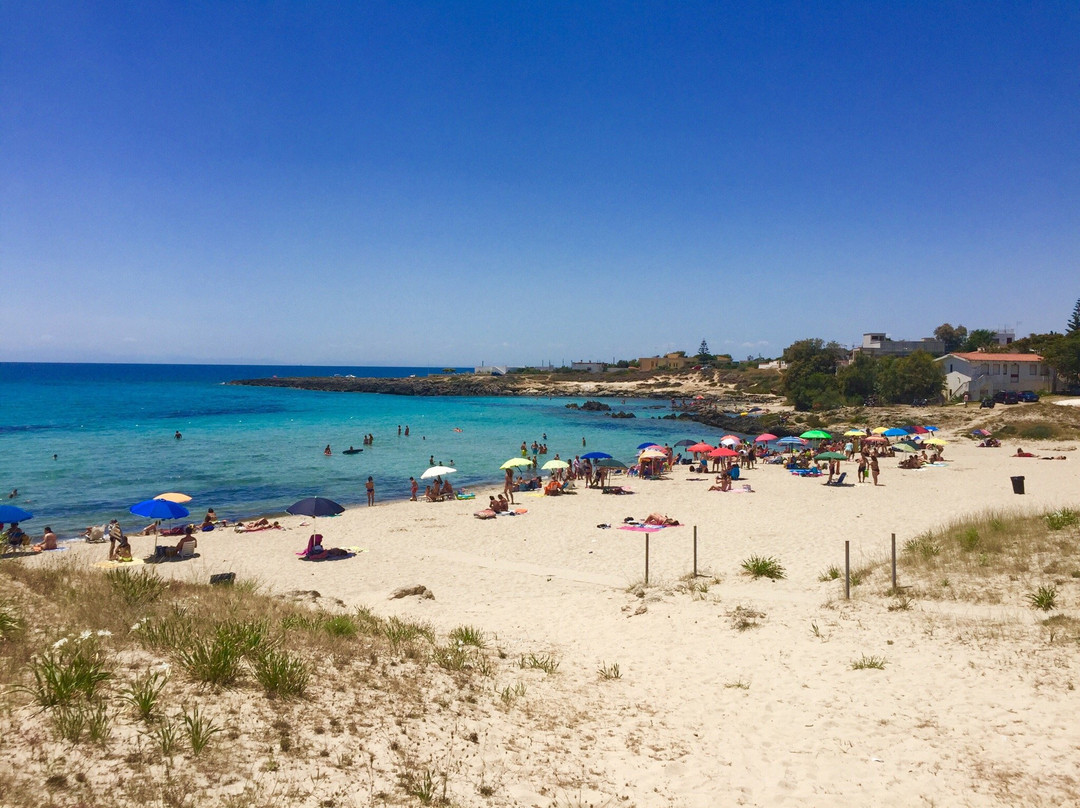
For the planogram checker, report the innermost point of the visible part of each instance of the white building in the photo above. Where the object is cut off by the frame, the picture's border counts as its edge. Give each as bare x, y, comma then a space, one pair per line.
982, 373
591, 367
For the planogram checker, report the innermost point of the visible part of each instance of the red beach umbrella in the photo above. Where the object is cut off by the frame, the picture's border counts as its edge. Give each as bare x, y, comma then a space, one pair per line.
723, 452
765, 437
700, 447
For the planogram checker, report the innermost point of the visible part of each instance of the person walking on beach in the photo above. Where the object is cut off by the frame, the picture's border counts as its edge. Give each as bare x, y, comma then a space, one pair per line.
874, 467
370, 486
508, 486
413, 488
861, 475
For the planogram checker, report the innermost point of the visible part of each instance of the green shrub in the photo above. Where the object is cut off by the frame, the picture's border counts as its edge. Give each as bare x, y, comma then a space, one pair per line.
199, 730
1045, 598
1062, 518
214, 660
468, 635
136, 587
281, 674
864, 662
142, 694
341, 626
763, 567
544, 662
70, 669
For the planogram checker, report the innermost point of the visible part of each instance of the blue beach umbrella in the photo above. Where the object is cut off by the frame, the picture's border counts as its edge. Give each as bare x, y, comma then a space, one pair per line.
10, 513
789, 441
929, 428
315, 506
595, 456
647, 444
159, 509
895, 432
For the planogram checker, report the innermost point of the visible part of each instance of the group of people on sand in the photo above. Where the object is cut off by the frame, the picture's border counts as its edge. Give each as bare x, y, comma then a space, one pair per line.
15, 537
438, 491
1021, 453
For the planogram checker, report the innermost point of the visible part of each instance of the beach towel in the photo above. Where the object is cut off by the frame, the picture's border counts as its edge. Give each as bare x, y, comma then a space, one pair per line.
642, 528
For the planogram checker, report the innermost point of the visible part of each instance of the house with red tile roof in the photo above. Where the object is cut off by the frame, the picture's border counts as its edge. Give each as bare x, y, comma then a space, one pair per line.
981, 373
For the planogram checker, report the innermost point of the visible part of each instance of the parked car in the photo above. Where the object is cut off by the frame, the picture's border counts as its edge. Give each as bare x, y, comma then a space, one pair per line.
987, 404
1007, 397
1029, 395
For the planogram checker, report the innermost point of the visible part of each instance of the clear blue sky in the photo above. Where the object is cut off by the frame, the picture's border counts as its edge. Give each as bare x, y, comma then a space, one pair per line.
450, 183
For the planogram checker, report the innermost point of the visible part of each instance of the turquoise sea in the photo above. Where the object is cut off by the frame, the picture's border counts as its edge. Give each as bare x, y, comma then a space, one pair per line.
247, 451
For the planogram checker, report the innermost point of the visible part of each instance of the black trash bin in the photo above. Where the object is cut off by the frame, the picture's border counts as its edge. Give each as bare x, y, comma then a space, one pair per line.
1018, 485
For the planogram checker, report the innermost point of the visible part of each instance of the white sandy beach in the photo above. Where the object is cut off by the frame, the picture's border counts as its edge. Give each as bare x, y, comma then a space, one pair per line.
974, 706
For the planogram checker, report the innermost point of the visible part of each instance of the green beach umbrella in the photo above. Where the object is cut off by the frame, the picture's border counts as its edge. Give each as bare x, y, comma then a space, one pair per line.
831, 456
815, 434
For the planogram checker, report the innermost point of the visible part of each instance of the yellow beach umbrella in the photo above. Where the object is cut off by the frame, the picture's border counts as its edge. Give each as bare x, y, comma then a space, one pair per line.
515, 462
174, 496
879, 430
852, 433
936, 442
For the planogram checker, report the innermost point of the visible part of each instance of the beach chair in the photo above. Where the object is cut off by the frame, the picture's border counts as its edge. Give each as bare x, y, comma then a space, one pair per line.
839, 480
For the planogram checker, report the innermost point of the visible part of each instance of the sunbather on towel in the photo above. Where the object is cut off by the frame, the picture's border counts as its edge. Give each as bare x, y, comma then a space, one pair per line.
660, 519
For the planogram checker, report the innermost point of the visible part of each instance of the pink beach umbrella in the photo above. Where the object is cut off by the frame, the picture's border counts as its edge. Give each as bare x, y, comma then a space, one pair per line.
764, 437
697, 448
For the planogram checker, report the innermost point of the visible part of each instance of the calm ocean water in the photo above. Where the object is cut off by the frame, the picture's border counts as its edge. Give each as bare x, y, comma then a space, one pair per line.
247, 450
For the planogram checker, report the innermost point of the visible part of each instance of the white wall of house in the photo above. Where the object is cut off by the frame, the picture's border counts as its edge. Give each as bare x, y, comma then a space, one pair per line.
984, 377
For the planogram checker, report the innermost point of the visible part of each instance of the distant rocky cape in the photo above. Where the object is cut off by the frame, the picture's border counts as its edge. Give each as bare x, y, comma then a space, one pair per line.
467, 385
476, 385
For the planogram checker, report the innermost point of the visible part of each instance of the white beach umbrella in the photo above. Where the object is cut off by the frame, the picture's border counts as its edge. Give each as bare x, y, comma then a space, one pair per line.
436, 471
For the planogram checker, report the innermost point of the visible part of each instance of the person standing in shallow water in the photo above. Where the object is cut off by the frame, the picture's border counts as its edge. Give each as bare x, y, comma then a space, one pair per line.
370, 486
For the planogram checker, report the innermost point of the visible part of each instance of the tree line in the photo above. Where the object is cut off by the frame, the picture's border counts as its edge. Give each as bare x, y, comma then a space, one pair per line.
816, 377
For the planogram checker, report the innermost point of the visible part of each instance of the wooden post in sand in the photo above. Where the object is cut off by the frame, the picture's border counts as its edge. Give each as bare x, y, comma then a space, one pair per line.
894, 562
695, 551
847, 570
646, 559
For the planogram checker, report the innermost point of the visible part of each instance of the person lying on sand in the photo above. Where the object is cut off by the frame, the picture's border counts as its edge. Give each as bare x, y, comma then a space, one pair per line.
1058, 457
1021, 453
253, 527
660, 519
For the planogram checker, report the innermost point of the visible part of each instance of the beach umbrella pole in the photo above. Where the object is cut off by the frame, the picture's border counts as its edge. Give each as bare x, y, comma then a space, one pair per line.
894, 563
646, 559
694, 551
847, 570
